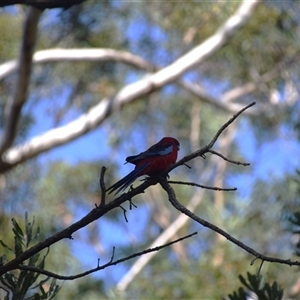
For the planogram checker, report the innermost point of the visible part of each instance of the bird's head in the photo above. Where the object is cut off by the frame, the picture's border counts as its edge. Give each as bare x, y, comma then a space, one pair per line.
171, 140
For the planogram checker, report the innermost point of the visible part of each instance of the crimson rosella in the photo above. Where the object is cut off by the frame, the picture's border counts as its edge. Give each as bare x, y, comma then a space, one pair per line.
151, 162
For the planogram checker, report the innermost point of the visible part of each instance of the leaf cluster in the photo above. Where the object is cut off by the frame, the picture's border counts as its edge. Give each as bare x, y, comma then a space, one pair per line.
256, 289
24, 284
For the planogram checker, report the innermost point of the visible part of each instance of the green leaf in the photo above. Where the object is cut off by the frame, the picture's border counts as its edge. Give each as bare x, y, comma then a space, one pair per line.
244, 282
36, 235
54, 289
16, 228
33, 259
9, 280
5, 246
240, 295
18, 246
25, 280
253, 284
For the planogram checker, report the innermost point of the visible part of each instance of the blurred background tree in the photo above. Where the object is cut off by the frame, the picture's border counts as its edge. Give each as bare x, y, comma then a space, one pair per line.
60, 185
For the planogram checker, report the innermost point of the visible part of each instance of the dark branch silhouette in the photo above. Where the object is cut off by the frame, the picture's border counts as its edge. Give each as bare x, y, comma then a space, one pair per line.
102, 186
172, 198
112, 262
229, 160
65, 4
215, 188
201, 152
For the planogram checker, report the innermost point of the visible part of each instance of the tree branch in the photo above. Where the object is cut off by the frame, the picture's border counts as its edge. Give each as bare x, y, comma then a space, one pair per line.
225, 101
42, 4
73, 55
215, 188
95, 214
166, 235
102, 186
207, 148
198, 91
14, 105
98, 268
229, 160
103, 54
172, 198
97, 114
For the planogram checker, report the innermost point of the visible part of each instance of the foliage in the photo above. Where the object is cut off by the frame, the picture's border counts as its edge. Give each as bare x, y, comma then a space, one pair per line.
256, 289
24, 284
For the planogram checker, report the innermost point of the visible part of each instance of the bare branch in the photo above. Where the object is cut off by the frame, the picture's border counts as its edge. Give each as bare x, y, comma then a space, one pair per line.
124, 212
102, 185
63, 55
103, 54
166, 235
227, 159
198, 91
211, 144
172, 198
14, 105
97, 114
202, 186
93, 215
65, 4
225, 101
207, 148
98, 268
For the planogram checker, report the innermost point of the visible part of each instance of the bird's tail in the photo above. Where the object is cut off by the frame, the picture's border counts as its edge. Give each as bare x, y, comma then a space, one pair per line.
125, 182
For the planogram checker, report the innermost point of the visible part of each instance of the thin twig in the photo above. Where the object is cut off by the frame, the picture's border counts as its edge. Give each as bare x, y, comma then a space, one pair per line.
201, 152
112, 255
231, 120
124, 212
131, 204
98, 268
202, 186
102, 186
189, 167
227, 159
259, 269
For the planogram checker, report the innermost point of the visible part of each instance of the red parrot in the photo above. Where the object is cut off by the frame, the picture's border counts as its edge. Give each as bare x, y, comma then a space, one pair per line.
150, 162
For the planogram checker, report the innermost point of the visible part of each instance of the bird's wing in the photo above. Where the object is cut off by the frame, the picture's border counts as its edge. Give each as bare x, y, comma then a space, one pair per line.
155, 150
